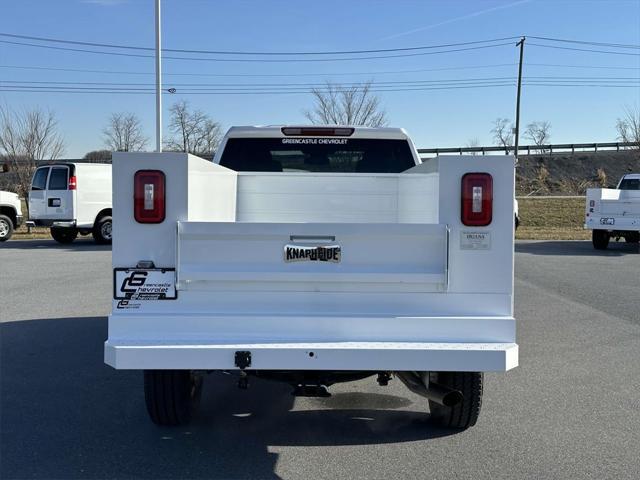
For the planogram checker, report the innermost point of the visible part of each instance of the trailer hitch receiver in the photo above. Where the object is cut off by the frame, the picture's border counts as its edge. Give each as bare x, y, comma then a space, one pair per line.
243, 359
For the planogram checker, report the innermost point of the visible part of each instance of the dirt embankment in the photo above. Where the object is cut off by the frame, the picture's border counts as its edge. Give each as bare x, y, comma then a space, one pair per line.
573, 173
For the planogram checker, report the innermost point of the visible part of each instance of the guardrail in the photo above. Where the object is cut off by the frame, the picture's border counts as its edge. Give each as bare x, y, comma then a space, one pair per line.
528, 149
536, 149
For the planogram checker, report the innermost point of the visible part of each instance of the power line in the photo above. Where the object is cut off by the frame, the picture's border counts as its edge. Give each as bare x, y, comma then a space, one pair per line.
225, 92
111, 90
256, 53
310, 74
584, 49
326, 52
585, 42
604, 85
276, 88
51, 47
307, 84
257, 60
569, 79
557, 65
316, 74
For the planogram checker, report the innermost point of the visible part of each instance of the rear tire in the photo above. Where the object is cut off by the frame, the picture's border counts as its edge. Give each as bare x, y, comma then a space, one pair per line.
6, 228
464, 414
171, 395
102, 230
632, 237
64, 234
600, 239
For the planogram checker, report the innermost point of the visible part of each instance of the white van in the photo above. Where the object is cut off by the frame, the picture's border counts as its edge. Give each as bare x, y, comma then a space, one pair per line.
72, 199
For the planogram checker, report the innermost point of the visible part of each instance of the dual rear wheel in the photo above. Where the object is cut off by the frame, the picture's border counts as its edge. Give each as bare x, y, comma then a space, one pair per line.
600, 238
464, 414
171, 397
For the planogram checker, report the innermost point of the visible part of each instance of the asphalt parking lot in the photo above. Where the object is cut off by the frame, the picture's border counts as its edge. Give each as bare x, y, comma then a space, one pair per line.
571, 410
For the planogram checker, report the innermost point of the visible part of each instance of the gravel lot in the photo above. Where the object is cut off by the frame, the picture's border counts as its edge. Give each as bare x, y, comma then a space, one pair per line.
571, 410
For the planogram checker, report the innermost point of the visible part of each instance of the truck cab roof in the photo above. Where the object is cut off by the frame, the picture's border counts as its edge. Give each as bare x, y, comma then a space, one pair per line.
317, 148
630, 181
631, 176
278, 131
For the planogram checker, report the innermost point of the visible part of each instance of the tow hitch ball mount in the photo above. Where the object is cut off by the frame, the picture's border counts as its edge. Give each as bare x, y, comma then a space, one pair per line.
242, 361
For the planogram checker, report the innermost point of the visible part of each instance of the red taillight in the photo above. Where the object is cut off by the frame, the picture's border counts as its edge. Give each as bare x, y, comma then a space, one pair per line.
72, 183
149, 196
477, 199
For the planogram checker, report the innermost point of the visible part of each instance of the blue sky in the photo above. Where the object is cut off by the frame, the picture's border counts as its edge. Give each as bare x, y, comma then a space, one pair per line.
435, 118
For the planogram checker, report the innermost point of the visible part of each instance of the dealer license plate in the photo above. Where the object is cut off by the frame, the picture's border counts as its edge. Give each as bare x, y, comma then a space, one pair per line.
144, 284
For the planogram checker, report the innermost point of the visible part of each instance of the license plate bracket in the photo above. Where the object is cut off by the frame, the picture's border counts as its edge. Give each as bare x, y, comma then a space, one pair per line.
144, 284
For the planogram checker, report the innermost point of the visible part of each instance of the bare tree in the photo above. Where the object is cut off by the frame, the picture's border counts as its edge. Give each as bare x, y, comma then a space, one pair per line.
628, 126
473, 143
98, 156
539, 133
27, 138
503, 132
193, 131
354, 105
123, 133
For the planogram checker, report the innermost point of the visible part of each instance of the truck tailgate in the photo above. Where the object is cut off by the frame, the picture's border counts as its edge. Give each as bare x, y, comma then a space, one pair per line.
213, 255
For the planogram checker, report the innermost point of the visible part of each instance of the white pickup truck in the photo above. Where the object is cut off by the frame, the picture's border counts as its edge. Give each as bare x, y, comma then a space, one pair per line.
614, 212
313, 256
10, 214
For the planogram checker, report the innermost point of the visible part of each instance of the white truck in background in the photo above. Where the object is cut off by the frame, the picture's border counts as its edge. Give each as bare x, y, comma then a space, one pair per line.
10, 214
72, 199
313, 255
614, 212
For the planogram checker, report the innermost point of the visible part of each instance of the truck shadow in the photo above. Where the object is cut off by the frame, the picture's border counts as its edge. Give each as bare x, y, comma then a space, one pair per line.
84, 244
576, 247
67, 415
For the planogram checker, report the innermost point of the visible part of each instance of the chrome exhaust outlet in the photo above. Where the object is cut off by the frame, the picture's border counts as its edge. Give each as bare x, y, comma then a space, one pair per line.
441, 394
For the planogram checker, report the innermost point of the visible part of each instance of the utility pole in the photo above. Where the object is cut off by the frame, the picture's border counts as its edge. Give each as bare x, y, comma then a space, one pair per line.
517, 130
158, 80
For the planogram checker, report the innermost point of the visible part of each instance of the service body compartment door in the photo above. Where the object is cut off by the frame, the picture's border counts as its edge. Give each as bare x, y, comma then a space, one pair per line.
312, 257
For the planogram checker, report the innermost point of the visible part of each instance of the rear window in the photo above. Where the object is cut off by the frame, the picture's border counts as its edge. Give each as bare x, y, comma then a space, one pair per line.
40, 179
58, 179
630, 184
317, 155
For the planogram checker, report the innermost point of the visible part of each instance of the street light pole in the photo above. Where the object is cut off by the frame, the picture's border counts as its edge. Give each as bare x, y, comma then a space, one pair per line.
158, 80
517, 130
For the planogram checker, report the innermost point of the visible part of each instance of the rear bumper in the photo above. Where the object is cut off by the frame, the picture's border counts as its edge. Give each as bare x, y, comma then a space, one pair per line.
49, 222
621, 224
332, 356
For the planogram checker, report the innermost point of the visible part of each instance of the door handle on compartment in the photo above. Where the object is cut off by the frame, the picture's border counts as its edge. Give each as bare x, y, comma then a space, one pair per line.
312, 238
